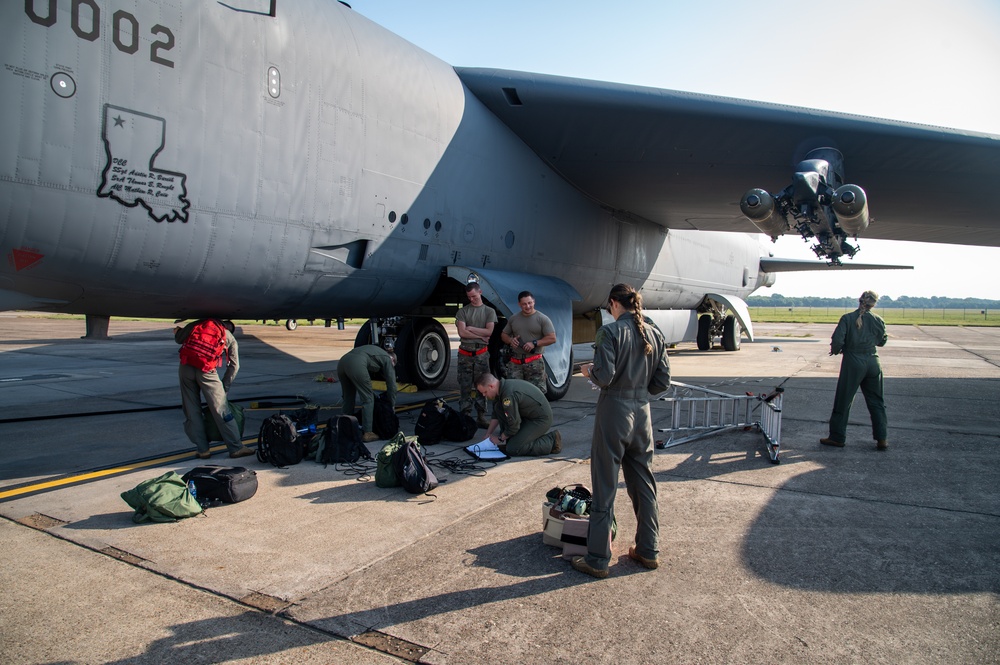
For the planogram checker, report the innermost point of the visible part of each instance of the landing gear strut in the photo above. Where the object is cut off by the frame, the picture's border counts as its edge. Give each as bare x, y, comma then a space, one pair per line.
423, 352
715, 323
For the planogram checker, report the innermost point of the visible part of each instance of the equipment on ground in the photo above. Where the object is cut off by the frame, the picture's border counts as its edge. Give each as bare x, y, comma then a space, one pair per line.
697, 412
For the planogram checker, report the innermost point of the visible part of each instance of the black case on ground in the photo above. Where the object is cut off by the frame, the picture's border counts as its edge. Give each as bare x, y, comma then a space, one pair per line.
229, 484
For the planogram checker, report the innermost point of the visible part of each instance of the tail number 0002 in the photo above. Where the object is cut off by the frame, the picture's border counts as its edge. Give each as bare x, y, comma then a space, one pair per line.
86, 23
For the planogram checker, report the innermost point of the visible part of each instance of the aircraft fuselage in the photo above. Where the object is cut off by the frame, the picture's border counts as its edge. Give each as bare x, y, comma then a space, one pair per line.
184, 159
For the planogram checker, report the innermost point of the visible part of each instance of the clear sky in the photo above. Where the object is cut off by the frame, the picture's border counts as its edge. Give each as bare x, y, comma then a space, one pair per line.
930, 62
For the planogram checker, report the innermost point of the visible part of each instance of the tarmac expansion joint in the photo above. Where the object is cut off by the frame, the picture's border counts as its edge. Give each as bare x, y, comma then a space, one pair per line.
393, 646
41, 522
264, 602
122, 555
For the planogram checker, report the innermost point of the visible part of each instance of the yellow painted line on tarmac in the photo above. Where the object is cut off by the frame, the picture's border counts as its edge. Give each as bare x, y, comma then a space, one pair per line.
132, 466
101, 473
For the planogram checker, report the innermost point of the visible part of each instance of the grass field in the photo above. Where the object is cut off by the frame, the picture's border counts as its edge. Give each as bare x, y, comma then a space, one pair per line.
900, 316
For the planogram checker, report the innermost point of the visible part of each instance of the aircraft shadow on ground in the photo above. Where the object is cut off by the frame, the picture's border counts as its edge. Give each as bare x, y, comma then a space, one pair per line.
540, 566
923, 517
257, 378
849, 545
226, 638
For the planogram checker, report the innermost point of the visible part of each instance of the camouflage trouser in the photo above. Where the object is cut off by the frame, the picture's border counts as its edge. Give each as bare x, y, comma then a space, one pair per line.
469, 369
533, 372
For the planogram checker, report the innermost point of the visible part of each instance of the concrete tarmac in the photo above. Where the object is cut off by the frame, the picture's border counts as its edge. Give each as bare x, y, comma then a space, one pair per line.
832, 556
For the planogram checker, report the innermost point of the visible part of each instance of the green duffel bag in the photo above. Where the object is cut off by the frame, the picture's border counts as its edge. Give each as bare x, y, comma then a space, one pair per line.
163, 499
212, 430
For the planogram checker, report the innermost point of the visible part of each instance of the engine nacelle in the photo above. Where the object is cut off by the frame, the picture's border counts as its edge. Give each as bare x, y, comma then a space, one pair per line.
760, 208
850, 205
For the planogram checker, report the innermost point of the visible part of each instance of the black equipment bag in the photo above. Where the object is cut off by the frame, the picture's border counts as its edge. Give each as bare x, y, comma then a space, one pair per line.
414, 474
385, 422
228, 484
459, 427
431, 422
279, 443
341, 442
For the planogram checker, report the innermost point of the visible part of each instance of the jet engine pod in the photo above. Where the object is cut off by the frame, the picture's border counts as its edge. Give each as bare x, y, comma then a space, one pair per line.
759, 207
850, 205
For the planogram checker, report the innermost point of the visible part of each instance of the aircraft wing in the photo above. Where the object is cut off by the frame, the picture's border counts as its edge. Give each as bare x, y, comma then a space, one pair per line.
684, 160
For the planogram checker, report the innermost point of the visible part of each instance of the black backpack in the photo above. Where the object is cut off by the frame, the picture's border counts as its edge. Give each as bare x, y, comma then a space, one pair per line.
341, 442
459, 427
385, 422
279, 443
431, 422
414, 474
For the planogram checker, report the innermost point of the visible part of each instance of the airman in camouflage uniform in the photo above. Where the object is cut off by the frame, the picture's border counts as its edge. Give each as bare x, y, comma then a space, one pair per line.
526, 333
475, 323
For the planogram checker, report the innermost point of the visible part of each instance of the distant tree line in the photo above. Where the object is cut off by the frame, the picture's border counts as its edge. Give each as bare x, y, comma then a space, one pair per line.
885, 302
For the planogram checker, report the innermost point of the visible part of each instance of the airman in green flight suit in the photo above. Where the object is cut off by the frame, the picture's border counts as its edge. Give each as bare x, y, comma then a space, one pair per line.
857, 337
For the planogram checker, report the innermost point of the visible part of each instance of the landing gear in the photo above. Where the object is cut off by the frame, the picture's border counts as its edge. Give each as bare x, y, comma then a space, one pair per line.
554, 392
715, 323
423, 353
704, 333
731, 332
291, 324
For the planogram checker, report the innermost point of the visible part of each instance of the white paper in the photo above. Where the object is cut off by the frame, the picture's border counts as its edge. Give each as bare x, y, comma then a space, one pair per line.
486, 449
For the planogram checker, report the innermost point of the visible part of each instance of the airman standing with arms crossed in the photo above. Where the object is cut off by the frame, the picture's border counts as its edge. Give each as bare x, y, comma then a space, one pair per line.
526, 333
475, 323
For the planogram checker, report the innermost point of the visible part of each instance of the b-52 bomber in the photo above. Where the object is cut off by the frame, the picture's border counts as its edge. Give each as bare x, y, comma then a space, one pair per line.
294, 160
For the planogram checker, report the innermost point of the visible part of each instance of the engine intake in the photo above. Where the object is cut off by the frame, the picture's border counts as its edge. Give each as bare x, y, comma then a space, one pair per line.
850, 205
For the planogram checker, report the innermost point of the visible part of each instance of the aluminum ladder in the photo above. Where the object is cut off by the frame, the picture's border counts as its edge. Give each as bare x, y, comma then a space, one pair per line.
697, 412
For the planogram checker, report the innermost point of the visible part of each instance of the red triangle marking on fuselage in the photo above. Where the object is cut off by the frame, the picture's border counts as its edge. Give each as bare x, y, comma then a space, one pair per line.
24, 258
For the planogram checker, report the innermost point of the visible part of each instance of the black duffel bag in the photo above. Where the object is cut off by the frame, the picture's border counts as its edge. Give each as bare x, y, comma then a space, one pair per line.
229, 484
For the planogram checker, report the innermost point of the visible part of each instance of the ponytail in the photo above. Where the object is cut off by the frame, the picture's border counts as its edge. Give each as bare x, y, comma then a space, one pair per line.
626, 296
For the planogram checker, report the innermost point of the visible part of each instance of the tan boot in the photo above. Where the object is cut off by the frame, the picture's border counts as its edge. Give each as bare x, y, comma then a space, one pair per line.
827, 441
557, 446
581, 564
652, 564
882, 444
368, 437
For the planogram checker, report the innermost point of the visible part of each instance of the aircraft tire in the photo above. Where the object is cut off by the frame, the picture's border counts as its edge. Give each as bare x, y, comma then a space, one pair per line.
553, 392
704, 332
425, 353
364, 335
291, 324
731, 334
